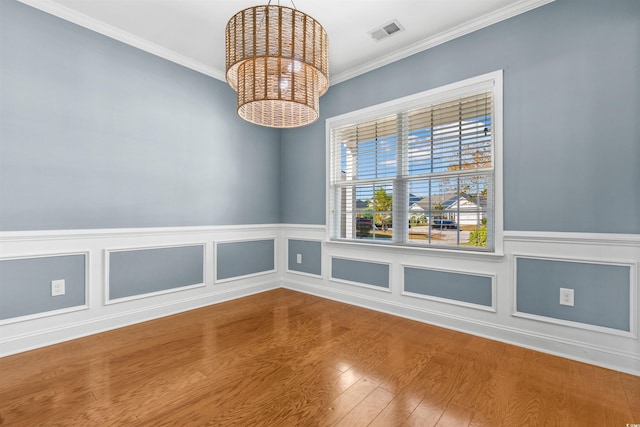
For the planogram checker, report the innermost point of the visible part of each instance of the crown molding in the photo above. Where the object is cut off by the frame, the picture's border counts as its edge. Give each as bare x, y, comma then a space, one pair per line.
100, 27
85, 21
455, 32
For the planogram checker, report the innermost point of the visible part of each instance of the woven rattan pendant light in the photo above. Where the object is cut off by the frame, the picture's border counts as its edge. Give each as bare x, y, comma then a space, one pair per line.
277, 60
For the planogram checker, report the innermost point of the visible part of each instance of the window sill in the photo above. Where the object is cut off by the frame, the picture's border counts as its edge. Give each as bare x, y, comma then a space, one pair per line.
414, 250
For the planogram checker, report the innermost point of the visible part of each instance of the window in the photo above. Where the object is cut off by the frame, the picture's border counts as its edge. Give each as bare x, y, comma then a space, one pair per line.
421, 171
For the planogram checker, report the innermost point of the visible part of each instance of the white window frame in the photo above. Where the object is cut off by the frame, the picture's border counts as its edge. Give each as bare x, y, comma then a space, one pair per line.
490, 81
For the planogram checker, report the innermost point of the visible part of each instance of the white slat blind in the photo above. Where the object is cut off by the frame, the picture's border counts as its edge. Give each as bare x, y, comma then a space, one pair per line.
449, 136
364, 164
423, 176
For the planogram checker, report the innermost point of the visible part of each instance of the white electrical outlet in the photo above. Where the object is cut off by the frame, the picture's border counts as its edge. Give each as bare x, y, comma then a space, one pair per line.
566, 297
299, 258
57, 287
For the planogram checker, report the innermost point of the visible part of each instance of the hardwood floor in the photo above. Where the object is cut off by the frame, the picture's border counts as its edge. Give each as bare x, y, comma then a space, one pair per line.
283, 358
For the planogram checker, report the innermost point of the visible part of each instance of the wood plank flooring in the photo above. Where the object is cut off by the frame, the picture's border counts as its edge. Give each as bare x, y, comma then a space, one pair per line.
284, 358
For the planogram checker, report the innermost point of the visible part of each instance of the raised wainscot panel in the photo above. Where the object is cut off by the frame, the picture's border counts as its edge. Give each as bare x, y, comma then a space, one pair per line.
26, 290
460, 288
149, 271
372, 274
304, 256
602, 292
244, 258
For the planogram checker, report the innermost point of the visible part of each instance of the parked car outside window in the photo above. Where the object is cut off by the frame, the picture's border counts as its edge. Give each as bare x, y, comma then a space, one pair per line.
444, 223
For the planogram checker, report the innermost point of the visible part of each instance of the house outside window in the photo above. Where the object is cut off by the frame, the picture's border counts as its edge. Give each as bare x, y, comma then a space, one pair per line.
420, 171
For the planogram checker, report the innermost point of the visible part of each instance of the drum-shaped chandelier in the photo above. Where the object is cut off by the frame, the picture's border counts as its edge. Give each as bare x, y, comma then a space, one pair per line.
277, 60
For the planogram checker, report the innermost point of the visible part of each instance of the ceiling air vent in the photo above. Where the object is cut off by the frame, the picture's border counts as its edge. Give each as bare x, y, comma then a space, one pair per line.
386, 30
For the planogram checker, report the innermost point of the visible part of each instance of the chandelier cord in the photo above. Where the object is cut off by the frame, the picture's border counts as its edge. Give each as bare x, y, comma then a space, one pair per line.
269, 4
294, 5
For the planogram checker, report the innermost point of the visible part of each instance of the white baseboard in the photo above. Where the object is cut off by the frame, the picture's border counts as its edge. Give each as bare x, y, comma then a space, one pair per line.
574, 350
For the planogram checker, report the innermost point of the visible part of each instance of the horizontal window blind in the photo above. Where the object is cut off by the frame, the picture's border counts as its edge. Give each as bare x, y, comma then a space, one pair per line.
367, 150
451, 136
424, 176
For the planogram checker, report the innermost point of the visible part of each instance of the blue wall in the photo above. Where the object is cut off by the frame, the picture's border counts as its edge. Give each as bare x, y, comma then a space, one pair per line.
571, 128
98, 134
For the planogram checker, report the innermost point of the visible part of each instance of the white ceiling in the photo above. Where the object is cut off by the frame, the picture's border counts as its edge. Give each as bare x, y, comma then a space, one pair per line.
191, 32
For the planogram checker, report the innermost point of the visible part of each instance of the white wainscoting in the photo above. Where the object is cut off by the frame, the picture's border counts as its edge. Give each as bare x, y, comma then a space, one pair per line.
53, 327
615, 351
583, 344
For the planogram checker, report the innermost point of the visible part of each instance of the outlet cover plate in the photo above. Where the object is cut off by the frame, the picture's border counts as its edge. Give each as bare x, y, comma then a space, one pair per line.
57, 287
566, 297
